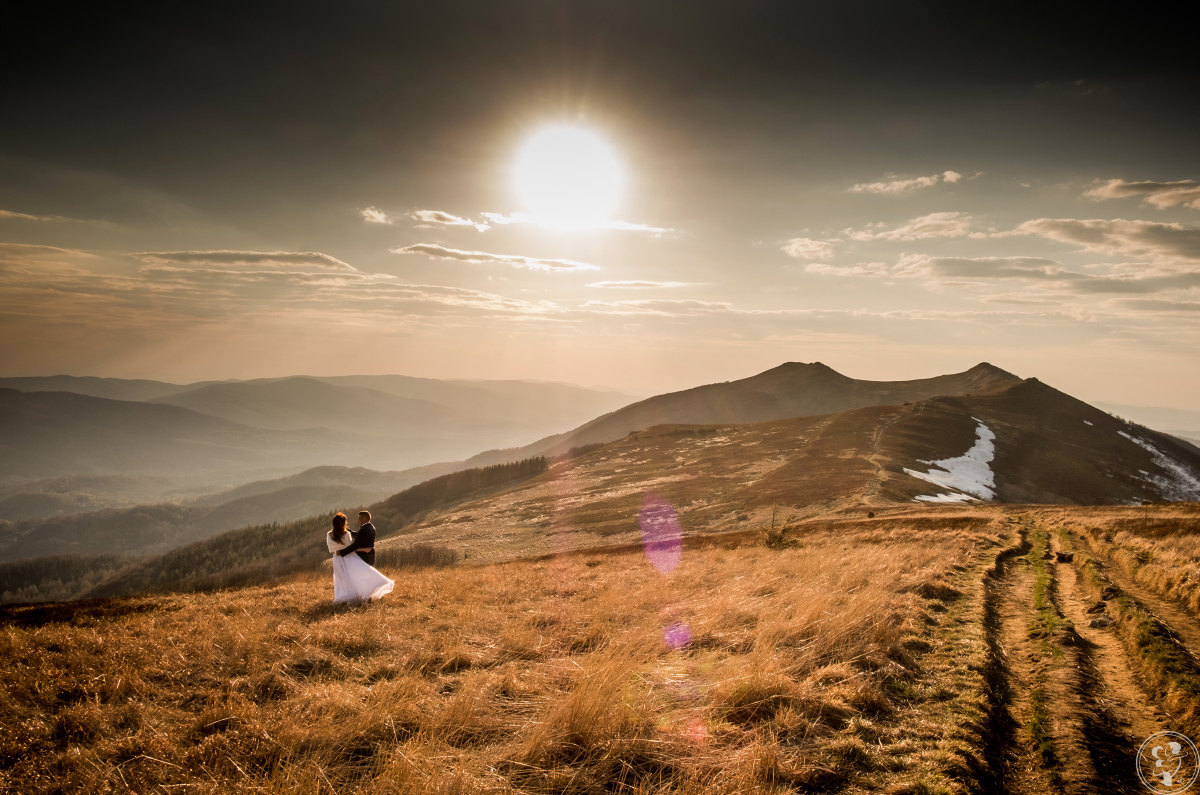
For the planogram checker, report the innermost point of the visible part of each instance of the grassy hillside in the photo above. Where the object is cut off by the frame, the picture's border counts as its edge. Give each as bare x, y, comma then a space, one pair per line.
721, 478
265, 553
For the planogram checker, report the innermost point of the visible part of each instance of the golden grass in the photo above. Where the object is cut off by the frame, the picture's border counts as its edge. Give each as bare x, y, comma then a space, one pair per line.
1158, 546
547, 676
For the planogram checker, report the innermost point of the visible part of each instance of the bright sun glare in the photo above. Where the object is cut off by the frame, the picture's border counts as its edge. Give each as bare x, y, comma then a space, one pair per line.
568, 176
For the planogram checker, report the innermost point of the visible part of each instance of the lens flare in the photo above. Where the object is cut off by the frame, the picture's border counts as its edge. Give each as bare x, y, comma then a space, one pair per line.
677, 636
661, 536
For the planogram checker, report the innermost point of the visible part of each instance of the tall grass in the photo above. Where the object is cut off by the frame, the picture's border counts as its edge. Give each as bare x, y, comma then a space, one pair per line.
548, 676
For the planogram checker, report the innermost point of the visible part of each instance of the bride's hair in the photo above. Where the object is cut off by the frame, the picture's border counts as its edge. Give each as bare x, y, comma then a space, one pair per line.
339, 527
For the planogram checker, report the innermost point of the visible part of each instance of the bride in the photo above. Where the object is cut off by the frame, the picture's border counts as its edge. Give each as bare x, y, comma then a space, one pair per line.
354, 580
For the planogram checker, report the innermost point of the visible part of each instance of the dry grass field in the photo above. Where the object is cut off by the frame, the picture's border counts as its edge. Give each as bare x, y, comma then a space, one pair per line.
1006, 649
814, 664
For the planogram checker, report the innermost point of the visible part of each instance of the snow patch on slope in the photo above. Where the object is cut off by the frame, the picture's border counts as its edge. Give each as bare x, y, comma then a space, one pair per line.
969, 473
1182, 483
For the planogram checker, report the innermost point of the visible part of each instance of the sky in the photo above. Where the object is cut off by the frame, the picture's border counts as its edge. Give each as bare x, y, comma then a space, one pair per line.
897, 189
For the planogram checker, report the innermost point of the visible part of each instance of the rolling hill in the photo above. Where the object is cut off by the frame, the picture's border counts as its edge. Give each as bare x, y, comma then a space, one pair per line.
794, 389
111, 388
299, 403
1023, 443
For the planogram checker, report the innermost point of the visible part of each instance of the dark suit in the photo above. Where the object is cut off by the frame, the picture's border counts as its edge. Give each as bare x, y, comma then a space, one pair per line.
363, 539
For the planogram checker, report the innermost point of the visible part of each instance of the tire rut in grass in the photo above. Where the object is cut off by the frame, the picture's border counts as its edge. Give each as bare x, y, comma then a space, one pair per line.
1116, 708
1011, 750
1056, 738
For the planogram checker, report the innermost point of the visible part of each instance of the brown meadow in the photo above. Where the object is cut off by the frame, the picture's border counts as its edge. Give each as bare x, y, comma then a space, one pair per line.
801, 667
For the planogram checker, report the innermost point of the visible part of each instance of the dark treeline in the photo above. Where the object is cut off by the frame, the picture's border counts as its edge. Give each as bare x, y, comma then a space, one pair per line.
401, 509
57, 578
154, 528
263, 553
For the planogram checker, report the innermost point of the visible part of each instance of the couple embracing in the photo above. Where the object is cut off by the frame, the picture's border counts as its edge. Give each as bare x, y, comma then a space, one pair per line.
355, 578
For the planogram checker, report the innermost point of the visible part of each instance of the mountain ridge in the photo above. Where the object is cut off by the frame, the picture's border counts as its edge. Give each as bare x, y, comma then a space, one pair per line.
759, 398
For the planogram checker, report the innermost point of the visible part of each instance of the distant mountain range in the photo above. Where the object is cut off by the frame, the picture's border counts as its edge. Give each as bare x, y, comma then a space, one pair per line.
798, 440
123, 441
152, 528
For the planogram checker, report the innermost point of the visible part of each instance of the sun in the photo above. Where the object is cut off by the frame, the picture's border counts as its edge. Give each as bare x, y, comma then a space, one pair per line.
568, 177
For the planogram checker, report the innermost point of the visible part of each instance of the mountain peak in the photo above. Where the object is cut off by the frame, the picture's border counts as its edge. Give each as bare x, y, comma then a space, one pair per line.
990, 369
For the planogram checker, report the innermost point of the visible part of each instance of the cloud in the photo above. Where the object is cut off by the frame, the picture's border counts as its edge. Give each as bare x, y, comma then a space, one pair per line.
27, 217
950, 224
74, 289
500, 219
640, 285
807, 248
662, 307
979, 267
1118, 236
1159, 194
1158, 305
225, 260
896, 187
445, 219
481, 257
1134, 279
374, 215
874, 269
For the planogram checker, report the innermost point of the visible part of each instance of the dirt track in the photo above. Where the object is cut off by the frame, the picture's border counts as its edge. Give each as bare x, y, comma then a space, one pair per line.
1069, 707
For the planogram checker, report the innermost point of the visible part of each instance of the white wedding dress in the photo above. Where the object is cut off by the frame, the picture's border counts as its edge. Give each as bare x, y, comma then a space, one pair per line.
355, 580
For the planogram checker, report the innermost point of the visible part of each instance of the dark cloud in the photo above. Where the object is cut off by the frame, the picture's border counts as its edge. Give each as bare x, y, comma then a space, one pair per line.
1159, 194
1118, 236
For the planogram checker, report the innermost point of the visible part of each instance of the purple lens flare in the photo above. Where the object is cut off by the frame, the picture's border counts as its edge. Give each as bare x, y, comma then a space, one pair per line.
661, 535
677, 636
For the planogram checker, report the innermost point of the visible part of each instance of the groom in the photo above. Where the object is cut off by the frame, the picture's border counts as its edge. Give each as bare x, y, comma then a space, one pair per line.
364, 540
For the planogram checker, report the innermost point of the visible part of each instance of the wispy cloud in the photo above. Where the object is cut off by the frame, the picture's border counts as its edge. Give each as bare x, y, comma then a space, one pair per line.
437, 217
808, 248
225, 259
500, 219
934, 225
431, 218
482, 257
896, 187
872, 269
1124, 279
640, 285
28, 217
1163, 242
188, 288
374, 215
661, 307
1159, 194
